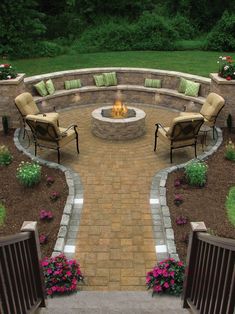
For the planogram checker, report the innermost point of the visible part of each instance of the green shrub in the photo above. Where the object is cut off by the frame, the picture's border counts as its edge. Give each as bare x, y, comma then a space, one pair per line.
195, 172
37, 49
28, 173
183, 27
153, 32
5, 156
230, 151
2, 213
150, 32
221, 37
230, 205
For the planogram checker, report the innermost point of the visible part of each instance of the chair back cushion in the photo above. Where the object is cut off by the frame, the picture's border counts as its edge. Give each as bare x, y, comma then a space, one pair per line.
26, 104
44, 128
185, 128
212, 106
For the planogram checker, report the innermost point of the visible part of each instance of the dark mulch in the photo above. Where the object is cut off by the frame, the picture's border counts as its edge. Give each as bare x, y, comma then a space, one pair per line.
24, 203
204, 204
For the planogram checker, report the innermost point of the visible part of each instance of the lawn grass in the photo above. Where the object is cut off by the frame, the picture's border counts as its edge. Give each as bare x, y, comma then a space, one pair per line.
195, 62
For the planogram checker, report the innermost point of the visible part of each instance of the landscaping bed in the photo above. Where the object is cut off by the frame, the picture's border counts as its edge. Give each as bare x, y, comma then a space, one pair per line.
25, 203
203, 203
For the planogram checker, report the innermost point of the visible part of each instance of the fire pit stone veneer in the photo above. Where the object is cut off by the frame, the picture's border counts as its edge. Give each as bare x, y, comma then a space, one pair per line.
118, 128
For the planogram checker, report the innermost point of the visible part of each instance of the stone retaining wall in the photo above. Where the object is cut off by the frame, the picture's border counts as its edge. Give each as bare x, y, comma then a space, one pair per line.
130, 83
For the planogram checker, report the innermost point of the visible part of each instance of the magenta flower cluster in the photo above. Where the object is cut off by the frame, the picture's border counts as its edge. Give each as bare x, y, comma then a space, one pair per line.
43, 239
181, 220
166, 277
178, 199
46, 214
50, 181
177, 183
54, 196
61, 274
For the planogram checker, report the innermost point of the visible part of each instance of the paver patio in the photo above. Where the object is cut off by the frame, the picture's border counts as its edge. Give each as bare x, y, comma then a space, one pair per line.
114, 243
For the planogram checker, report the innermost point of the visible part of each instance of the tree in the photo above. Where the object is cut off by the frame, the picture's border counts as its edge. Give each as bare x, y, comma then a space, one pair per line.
20, 24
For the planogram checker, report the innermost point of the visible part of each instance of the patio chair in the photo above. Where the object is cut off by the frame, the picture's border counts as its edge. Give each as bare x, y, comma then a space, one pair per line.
210, 110
26, 105
47, 134
182, 132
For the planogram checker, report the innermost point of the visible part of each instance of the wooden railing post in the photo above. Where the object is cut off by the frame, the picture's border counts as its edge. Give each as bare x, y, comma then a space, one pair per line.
191, 258
31, 226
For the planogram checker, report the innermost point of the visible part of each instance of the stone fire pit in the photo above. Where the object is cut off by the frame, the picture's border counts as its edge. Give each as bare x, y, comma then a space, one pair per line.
118, 128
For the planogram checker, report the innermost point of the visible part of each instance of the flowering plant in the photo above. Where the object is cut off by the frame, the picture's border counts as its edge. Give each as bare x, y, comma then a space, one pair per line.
230, 151
61, 275
43, 239
181, 220
46, 214
178, 199
226, 68
50, 181
5, 156
166, 277
29, 173
54, 196
7, 72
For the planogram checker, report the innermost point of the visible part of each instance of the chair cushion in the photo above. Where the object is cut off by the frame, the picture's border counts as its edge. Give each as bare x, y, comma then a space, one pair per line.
110, 79
152, 83
71, 84
99, 80
26, 104
182, 85
49, 118
50, 87
41, 88
192, 88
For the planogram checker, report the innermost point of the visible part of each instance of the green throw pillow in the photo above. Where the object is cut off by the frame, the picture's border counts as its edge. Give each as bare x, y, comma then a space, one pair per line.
152, 83
41, 88
192, 88
50, 87
72, 84
110, 79
99, 80
182, 86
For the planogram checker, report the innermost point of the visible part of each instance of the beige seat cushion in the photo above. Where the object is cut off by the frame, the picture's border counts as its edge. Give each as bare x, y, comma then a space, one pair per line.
26, 104
51, 119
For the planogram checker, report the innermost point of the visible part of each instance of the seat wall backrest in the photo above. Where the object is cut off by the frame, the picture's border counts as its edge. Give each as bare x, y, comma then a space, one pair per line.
44, 128
26, 104
184, 128
212, 106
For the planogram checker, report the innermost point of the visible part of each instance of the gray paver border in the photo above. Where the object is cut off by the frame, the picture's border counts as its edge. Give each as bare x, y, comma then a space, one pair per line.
164, 237
70, 219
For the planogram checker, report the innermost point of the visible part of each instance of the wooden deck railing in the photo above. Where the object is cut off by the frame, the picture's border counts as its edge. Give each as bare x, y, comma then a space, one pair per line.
209, 285
21, 281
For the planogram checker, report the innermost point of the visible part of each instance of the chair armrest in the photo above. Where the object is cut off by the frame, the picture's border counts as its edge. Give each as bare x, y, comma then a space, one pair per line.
159, 125
72, 126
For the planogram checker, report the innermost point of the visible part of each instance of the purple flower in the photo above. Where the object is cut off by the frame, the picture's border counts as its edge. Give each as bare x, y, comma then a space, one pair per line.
50, 181
178, 199
181, 220
177, 183
46, 215
43, 239
54, 196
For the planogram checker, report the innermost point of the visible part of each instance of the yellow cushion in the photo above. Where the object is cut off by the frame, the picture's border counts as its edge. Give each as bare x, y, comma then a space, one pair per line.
46, 119
211, 107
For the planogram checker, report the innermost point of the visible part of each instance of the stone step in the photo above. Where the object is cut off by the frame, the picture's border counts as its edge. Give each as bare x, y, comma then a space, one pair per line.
123, 302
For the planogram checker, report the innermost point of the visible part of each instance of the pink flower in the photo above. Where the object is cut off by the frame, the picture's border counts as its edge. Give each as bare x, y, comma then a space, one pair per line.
172, 282
68, 273
166, 285
180, 263
49, 271
228, 78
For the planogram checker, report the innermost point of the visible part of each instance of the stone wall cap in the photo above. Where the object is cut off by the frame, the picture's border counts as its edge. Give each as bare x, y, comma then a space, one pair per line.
52, 75
14, 81
220, 80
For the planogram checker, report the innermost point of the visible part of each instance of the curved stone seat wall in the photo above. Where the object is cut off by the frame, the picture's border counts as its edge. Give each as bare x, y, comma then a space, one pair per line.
130, 83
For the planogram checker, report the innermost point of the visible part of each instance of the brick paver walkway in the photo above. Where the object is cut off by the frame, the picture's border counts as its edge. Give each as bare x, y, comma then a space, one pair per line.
115, 241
